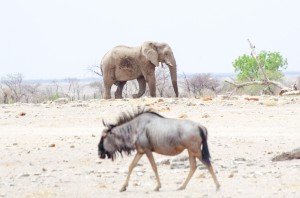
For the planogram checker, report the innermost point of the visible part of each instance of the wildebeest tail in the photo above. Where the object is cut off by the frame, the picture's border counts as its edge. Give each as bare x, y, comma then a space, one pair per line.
204, 151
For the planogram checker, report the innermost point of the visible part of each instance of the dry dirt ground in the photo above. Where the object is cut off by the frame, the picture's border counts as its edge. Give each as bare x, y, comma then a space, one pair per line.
51, 149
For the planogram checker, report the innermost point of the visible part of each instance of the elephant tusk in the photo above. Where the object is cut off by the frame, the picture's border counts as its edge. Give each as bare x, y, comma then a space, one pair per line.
169, 64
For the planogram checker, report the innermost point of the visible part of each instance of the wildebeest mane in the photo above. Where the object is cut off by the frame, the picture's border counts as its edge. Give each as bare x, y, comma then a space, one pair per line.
128, 116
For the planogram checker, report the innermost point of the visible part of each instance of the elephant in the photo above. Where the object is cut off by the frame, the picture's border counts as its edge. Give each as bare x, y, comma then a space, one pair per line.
124, 63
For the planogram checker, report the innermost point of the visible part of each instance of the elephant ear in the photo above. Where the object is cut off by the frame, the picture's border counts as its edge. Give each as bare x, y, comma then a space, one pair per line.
149, 50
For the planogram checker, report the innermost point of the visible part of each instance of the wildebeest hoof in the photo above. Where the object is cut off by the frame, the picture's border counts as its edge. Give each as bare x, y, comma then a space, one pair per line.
181, 188
123, 189
157, 188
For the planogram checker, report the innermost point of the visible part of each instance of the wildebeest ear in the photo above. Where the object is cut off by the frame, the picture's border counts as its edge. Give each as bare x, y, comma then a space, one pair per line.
104, 134
110, 126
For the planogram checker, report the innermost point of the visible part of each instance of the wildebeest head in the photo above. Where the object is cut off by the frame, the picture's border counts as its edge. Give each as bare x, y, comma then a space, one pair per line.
106, 146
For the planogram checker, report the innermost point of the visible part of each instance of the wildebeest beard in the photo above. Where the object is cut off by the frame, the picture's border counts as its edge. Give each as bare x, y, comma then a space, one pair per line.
102, 152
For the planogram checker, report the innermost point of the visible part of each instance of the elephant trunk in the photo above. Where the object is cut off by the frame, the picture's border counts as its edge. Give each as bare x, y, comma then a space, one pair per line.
173, 73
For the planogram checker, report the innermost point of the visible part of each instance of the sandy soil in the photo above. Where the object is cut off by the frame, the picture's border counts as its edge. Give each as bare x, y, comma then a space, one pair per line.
51, 151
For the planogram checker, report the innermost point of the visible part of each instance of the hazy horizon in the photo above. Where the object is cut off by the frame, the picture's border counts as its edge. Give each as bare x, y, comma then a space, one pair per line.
61, 39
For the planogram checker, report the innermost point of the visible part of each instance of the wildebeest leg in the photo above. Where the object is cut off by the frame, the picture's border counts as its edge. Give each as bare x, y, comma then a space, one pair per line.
192, 170
118, 93
137, 157
142, 87
154, 167
211, 171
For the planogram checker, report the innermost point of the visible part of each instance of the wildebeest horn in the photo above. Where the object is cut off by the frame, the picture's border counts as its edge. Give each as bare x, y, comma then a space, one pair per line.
104, 124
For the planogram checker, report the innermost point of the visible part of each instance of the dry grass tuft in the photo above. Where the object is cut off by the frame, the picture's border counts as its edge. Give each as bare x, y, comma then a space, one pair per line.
270, 103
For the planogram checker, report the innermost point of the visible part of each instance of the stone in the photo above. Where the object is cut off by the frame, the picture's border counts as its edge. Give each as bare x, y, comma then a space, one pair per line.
163, 162
295, 154
61, 101
24, 175
51, 145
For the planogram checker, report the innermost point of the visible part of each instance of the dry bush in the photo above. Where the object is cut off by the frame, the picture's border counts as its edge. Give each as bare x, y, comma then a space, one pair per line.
163, 82
98, 89
297, 83
130, 88
32, 93
200, 85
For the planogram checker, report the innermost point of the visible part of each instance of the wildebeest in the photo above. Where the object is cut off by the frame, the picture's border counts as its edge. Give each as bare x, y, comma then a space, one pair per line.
146, 132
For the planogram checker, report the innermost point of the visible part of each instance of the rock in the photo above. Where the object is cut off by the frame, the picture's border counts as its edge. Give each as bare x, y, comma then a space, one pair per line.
270, 103
224, 166
187, 164
177, 165
98, 161
224, 97
72, 146
295, 154
240, 159
252, 99
61, 101
24, 175
160, 100
207, 99
182, 115
205, 115
191, 104
93, 135
51, 145
202, 175
22, 114
15, 144
180, 158
37, 174
164, 109
163, 162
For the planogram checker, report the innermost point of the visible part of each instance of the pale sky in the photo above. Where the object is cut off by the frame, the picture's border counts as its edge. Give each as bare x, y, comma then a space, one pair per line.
45, 39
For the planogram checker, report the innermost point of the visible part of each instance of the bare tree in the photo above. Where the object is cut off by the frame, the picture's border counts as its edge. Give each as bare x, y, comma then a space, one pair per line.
31, 93
297, 84
56, 87
186, 84
95, 69
75, 89
14, 82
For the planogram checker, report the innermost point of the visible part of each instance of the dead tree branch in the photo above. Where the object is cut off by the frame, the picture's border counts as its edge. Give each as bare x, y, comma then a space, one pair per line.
266, 81
253, 53
94, 69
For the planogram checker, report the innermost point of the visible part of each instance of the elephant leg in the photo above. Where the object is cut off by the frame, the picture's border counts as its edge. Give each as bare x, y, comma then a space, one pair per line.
107, 88
142, 87
118, 93
152, 85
